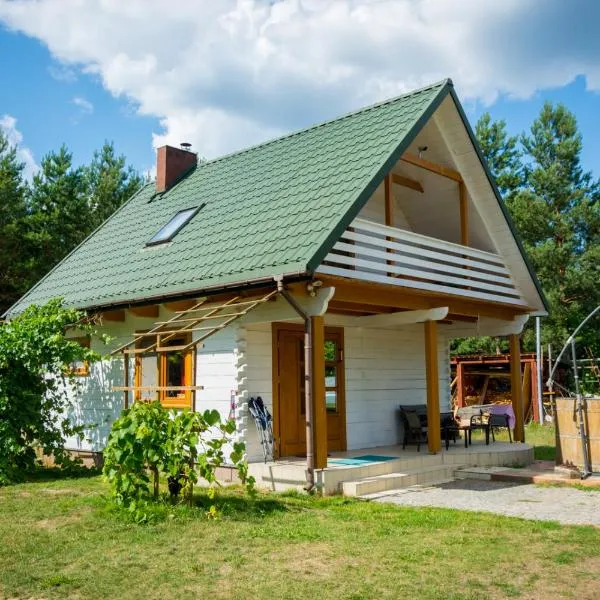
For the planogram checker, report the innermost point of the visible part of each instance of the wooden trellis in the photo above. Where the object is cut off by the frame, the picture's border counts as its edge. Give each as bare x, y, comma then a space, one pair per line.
200, 319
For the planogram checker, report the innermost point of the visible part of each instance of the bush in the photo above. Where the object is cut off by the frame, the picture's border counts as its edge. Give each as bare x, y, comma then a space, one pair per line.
35, 379
148, 441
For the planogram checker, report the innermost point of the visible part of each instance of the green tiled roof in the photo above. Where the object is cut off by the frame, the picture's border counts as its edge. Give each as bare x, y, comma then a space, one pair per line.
273, 209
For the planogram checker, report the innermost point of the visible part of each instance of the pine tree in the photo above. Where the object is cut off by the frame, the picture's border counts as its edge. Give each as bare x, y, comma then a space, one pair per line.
60, 213
110, 183
13, 264
501, 152
558, 217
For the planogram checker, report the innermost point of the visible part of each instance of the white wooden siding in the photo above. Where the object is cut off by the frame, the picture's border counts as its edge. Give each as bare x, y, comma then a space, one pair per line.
386, 368
255, 379
374, 209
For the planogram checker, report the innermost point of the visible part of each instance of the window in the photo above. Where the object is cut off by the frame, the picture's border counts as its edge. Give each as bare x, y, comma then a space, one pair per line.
175, 370
174, 226
155, 371
81, 368
331, 379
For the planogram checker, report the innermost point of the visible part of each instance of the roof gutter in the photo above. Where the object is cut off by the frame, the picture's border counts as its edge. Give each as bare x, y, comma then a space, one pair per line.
249, 284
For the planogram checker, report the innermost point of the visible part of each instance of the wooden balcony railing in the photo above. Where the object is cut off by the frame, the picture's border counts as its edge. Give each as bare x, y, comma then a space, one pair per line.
373, 252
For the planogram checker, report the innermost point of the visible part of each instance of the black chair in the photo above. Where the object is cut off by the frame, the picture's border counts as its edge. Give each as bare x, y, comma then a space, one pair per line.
448, 428
414, 430
498, 421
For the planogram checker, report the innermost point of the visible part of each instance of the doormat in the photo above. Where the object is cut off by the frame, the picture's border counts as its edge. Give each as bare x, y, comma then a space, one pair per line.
360, 460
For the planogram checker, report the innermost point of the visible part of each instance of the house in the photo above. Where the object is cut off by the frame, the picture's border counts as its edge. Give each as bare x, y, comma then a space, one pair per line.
376, 237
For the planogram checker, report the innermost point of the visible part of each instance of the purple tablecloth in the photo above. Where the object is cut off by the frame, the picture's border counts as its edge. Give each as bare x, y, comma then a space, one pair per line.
500, 409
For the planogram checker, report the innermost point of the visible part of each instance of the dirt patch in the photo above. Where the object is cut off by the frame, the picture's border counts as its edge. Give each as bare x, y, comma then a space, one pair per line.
54, 524
61, 491
312, 559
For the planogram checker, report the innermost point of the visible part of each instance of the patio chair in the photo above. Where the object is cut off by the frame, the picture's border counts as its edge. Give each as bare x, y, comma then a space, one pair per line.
414, 430
498, 421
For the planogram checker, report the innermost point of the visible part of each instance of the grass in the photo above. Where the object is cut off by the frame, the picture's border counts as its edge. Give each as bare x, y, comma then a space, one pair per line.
61, 541
540, 436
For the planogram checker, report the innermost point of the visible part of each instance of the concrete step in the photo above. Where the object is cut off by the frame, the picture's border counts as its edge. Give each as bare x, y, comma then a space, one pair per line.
377, 484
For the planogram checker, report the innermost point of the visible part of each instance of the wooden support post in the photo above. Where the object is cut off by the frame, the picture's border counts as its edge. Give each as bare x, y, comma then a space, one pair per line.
318, 392
432, 381
515, 387
464, 214
389, 200
389, 208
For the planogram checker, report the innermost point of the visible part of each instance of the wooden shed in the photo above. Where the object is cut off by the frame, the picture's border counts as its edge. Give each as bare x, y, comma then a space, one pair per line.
485, 379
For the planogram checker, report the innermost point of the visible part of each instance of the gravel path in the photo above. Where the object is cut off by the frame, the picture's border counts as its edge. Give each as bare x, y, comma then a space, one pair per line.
563, 504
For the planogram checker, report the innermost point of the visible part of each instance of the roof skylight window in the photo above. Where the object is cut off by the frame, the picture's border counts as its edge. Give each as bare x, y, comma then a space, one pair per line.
174, 226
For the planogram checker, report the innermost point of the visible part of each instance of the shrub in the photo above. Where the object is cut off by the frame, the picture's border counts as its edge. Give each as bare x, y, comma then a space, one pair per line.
35, 380
148, 441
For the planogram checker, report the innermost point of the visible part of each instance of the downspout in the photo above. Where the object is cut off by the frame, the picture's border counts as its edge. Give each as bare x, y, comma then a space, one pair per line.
310, 456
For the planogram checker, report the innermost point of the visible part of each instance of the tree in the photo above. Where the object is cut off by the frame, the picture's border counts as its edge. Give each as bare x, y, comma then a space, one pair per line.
35, 379
109, 183
558, 216
59, 212
501, 153
13, 280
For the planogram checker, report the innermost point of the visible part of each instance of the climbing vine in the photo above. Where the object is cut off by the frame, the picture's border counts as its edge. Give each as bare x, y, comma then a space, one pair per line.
149, 442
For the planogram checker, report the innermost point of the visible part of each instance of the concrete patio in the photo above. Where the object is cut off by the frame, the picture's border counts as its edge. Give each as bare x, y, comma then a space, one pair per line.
389, 467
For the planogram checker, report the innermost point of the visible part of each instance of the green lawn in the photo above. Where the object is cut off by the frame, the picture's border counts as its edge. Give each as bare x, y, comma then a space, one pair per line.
540, 436
60, 541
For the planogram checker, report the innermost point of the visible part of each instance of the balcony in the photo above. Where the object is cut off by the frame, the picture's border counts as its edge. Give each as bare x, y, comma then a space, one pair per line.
372, 252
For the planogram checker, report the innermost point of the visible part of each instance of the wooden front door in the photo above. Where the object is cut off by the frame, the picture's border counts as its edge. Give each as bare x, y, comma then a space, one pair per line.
290, 409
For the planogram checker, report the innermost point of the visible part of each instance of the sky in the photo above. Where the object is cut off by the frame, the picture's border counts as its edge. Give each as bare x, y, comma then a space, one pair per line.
224, 75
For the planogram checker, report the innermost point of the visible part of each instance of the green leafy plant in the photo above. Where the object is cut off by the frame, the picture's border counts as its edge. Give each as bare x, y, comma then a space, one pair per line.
36, 379
148, 441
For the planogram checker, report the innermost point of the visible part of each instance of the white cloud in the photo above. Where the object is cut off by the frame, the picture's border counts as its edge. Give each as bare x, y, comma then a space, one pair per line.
62, 73
8, 124
85, 107
226, 74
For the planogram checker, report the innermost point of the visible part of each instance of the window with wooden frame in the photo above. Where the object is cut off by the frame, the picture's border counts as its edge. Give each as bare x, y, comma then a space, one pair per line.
161, 373
80, 368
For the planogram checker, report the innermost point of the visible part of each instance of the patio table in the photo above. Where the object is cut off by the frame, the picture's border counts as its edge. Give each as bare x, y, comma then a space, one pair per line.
499, 409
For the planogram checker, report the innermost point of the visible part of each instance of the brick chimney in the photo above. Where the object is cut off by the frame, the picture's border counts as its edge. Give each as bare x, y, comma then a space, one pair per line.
171, 164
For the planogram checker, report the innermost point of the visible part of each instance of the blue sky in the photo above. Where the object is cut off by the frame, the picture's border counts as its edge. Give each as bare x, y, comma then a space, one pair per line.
226, 75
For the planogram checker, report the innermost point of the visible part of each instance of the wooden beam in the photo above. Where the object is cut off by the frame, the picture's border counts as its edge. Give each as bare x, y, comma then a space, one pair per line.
464, 213
431, 166
516, 391
413, 184
180, 305
114, 315
126, 378
389, 207
318, 392
389, 200
335, 305
150, 311
432, 378
462, 318
395, 296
